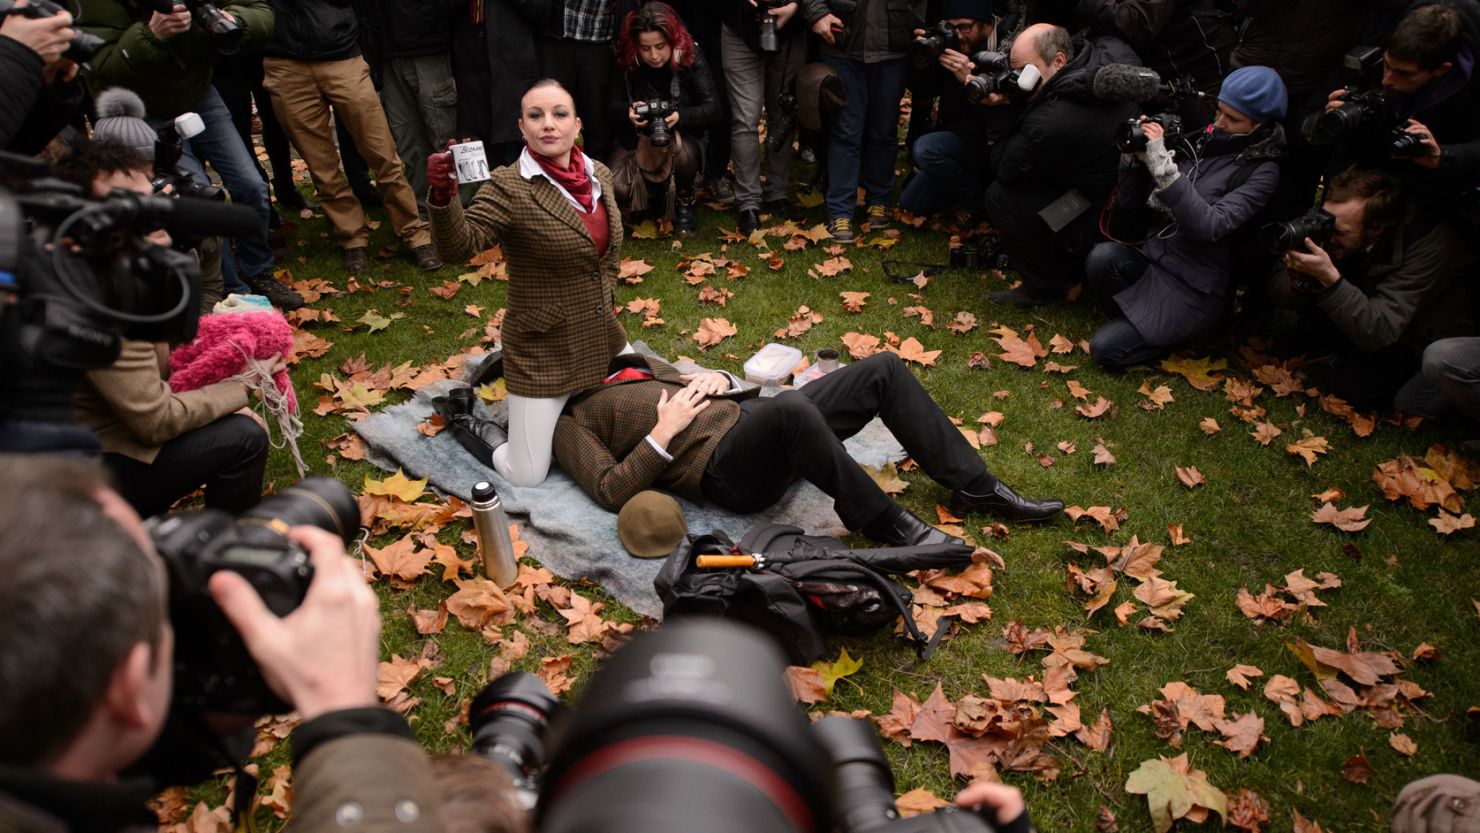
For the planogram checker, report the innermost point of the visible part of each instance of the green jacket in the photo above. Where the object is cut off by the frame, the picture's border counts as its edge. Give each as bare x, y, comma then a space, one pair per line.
171, 76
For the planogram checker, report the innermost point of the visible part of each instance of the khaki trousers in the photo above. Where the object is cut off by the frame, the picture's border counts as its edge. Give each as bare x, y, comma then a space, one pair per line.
302, 94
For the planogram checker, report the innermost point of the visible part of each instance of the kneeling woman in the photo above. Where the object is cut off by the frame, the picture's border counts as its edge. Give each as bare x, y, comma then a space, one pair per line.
661, 66
554, 214
1174, 286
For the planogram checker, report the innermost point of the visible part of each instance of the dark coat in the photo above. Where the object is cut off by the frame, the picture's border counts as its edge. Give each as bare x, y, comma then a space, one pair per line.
1409, 289
904, 16
494, 64
699, 107
1183, 292
1064, 139
601, 440
314, 30
561, 329
30, 113
1302, 40
1177, 38
407, 28
740, 16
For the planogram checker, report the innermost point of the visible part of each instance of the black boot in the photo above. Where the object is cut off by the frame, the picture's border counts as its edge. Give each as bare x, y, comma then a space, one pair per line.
685, 219
898, 527
1005, 503
478, 435
486, 369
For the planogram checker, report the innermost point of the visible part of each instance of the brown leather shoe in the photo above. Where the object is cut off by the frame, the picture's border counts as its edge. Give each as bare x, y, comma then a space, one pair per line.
357, 260
426, 258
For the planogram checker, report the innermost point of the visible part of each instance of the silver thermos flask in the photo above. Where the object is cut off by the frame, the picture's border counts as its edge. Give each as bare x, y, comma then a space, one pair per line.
494, 544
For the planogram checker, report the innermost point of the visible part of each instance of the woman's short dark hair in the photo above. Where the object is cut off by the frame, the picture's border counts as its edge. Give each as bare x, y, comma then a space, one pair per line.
549, 82
1428, 36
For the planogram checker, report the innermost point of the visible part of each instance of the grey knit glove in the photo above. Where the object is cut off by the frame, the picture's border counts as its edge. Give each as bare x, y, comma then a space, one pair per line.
1160, 163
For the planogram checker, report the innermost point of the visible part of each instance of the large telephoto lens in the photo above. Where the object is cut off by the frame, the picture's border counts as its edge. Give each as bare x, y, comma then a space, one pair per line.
313, 501
863, 784
508, 721
691, 727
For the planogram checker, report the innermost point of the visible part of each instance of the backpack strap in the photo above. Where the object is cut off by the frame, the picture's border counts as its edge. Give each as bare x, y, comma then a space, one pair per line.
797, 570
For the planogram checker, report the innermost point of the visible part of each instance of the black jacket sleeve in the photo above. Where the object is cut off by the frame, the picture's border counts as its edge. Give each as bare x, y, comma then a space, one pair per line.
21, 69
701, 106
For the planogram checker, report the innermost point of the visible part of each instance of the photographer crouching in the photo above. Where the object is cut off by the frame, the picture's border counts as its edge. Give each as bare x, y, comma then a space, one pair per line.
667, 84
1173, 286
92, 669
1384, 280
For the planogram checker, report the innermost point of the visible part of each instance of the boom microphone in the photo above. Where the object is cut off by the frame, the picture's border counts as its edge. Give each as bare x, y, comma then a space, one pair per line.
1125, 83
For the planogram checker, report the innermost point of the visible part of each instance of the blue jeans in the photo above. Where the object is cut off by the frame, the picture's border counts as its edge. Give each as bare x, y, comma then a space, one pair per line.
222, 146
865, 136
945, 176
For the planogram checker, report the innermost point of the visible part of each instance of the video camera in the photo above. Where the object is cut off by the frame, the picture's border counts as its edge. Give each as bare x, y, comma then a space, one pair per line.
656, 111
226, 34
767, 23
936, 40
1364, 106
994, 74
691, 727
1130, 136
83, 46
76, 273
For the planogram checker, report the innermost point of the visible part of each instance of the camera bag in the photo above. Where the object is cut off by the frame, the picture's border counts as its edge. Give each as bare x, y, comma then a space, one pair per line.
808, 587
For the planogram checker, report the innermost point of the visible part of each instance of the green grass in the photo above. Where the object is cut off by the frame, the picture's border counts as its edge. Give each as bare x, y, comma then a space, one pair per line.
1250, 524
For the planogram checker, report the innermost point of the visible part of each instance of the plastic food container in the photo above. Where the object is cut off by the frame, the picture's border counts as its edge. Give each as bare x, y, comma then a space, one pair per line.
772, 364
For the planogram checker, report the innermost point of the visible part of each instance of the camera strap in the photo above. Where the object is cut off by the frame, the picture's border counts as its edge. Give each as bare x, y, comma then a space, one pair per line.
902, 271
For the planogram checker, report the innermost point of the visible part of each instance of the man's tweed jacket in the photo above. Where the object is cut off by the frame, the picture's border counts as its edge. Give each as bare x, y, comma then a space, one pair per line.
560, 330
601, 440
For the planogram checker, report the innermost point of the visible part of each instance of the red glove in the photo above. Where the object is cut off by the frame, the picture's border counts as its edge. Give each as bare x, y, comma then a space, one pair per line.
441, 177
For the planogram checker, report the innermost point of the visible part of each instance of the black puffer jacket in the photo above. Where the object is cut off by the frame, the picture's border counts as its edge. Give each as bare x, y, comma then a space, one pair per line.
314, 30
1066, 137
407, 28
699, 108
1176, 38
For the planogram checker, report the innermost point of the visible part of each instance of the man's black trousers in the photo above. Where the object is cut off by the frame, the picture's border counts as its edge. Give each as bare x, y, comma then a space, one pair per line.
800, 434
228, 457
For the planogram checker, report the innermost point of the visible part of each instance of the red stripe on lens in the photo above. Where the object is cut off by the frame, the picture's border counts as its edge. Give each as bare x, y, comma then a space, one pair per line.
697, 751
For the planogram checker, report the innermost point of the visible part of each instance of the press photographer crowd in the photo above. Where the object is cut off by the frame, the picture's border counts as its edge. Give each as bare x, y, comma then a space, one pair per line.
1191, 168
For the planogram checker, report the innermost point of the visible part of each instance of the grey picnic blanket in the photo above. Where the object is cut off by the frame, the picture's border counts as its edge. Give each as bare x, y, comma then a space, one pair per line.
566, 530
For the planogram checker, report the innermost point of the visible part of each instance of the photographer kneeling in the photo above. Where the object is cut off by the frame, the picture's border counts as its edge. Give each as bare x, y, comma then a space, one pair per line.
1386, 278
89, 654
667, 85
1173, 287
162, 445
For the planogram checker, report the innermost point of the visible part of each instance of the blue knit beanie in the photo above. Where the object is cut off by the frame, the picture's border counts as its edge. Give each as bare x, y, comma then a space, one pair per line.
1257, 92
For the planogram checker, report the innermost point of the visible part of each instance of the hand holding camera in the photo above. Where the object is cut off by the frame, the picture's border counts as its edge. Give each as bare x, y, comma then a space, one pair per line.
48, 37
1312, 262
323, 656
166, 25
1420, 145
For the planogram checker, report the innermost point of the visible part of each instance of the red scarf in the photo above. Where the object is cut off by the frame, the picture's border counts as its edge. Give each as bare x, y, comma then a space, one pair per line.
573, 178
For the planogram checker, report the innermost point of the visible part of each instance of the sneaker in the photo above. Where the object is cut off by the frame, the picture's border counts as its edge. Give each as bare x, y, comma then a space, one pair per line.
719, 190
281, 296
841, 229
425, 257
878, 217
357, 260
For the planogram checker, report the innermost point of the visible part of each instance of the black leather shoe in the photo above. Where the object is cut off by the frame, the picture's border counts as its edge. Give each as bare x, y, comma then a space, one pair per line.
685, 219
488, 369
750, 220
477, 435
1006, 504
898, 527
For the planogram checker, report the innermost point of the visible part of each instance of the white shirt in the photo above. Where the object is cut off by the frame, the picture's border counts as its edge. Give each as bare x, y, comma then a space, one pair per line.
529, 169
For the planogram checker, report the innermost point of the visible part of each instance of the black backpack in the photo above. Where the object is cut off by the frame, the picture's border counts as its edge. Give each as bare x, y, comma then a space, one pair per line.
809, 586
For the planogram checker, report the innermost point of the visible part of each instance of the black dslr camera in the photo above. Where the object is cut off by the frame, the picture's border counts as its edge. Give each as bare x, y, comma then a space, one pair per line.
1364, 107
993, 75
1130, 137
1317, 224
937, 39
767, 23
655, 112
691, 727
984, 251
226, 34
213, 671
778, 134
83, 45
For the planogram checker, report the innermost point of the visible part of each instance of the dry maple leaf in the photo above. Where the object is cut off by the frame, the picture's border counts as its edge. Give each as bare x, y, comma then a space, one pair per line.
631, 271
919, 801
395, 676
1357, 769
854, 301
1247, 811
926, 317
834, 266
1077, 390
1175, 790
800, 322
806, 684
896, 724
1448, 524
1097, 735
911, 350
1156, 399
1103, 515
1024, 353
963, 323
887, 479
1190, 476
1200, 373
1308, 449
400, 561
860, 345
712, 331
428, 622
1059, 344
1300, 824
479, 603
398, 486
1209, 426
1351, 519
1265, 432
1242, 734
1103, 457
1178, 537
1095, 410
1403, 744
556, 673
1239, 675
1163, 598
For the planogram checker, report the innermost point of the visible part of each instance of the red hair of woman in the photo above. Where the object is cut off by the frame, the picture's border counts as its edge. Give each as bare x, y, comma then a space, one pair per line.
654, 17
